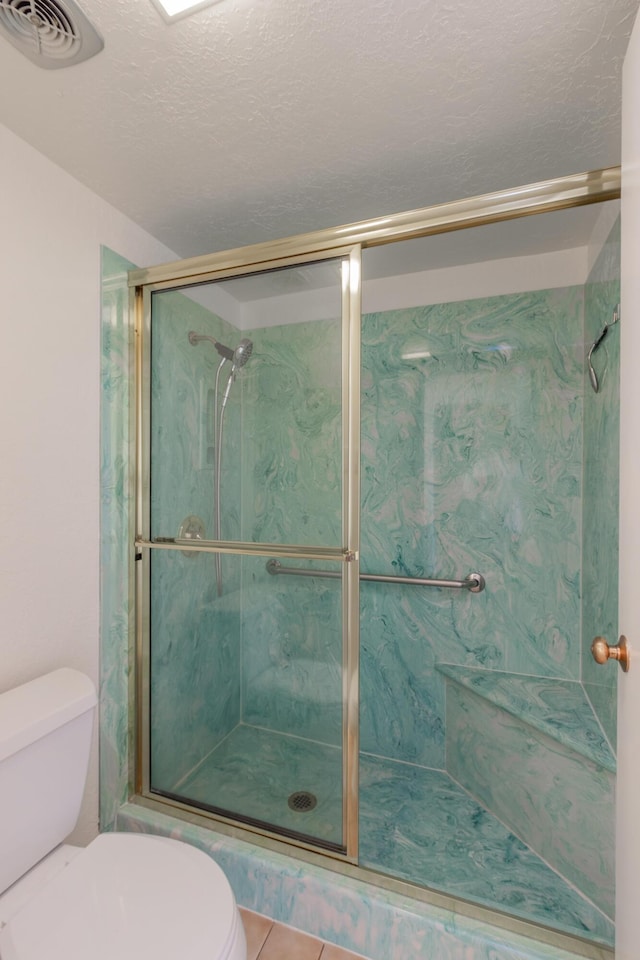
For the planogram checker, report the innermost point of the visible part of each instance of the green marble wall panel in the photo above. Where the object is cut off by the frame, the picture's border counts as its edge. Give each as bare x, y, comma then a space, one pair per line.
292, 493
601, 478
292, 652
195, 662
471, 461
116, 499
292, 435
555, 800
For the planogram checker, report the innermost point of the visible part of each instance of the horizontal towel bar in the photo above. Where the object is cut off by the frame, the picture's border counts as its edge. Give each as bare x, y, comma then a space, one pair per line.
475, 582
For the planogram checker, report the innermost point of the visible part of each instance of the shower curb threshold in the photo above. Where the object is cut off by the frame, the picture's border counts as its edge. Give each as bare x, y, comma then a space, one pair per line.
354, 908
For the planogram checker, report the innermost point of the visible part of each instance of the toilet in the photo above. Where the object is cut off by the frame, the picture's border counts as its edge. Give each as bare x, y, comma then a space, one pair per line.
124, 896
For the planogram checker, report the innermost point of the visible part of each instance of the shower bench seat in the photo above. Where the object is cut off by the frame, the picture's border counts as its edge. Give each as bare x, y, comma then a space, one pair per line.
532, 751
558, 708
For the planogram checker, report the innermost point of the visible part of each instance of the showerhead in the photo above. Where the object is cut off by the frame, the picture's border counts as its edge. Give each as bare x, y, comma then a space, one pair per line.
242, 352
238, 357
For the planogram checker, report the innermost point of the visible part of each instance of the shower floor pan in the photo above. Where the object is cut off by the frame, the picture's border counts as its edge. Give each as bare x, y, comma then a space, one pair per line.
416, 824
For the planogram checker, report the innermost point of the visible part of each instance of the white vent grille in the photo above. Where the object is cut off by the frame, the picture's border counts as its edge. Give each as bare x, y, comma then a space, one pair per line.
51, 33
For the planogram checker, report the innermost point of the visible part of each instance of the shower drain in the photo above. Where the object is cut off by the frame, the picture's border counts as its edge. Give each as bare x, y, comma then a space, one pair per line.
302, 801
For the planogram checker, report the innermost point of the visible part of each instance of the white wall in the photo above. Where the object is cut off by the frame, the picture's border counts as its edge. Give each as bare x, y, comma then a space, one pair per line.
51, 229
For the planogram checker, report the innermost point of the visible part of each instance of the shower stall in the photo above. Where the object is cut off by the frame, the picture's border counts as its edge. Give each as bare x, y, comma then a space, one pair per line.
376, 534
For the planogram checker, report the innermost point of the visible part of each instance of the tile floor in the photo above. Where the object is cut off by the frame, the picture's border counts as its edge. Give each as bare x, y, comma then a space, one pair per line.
267, 940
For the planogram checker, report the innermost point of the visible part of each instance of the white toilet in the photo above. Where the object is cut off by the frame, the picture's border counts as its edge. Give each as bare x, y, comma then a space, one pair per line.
124, 896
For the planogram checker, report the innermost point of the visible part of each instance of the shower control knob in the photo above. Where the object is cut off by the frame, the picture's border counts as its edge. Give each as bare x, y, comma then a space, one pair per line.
602, 652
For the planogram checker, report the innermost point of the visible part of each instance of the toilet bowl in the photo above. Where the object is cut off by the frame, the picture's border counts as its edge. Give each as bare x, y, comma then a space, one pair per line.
124, 896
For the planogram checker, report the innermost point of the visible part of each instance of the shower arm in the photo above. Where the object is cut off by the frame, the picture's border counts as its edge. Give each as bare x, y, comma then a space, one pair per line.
474, 582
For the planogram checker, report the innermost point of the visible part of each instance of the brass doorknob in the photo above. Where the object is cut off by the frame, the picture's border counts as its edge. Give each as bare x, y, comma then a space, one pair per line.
602, 652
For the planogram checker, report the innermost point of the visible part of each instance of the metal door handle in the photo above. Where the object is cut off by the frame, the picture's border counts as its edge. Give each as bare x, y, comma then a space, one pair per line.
602, 652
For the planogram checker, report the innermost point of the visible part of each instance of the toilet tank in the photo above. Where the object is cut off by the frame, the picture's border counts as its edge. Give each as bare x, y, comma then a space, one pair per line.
45, 739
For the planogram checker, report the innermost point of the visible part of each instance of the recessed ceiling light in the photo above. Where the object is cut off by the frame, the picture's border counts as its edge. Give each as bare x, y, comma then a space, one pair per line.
176, 9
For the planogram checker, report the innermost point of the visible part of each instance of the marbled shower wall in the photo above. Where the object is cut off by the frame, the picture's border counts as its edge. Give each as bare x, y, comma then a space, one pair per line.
472, 462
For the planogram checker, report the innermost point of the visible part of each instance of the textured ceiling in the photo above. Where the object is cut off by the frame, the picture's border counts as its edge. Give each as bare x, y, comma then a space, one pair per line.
257, 119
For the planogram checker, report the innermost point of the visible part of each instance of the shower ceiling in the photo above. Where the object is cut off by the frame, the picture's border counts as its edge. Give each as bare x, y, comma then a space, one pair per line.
255, 119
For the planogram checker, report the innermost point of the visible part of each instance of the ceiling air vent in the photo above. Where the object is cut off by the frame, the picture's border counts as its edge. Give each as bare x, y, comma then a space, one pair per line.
51, 33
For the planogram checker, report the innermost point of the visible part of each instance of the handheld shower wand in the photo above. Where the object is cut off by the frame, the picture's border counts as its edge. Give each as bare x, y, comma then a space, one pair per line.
237, 358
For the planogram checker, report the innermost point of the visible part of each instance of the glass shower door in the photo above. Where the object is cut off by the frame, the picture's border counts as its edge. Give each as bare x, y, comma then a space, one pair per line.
246, 587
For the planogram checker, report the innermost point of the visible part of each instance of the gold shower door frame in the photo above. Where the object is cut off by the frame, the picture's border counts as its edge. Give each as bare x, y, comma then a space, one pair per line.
347, 553
345, 241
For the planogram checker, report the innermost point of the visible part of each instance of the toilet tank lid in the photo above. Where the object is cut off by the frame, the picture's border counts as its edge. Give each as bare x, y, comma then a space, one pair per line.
34, 709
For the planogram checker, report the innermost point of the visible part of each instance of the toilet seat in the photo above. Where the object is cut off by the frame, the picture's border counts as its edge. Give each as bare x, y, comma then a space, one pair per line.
130, 897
